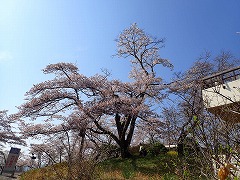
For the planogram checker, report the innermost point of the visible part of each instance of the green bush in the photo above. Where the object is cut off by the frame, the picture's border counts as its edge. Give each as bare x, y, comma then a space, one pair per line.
156, 149
172, 153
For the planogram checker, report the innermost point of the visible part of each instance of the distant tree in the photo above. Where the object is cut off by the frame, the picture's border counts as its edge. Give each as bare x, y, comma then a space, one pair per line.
172, 124
24, 162
66, 146
106, 107
48, 153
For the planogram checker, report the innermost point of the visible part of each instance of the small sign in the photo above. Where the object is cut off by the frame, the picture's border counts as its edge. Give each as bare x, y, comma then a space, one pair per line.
11, 160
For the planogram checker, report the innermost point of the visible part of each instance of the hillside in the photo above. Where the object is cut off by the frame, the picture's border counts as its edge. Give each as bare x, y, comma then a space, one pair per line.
164, 166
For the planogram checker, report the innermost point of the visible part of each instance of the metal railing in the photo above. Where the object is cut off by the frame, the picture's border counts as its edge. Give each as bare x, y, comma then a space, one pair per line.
221, 78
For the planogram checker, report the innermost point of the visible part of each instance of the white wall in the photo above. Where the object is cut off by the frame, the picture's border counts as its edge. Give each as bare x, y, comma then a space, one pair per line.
216, 96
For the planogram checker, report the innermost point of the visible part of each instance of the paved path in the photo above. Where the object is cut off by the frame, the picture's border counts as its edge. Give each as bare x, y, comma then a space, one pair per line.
5, 177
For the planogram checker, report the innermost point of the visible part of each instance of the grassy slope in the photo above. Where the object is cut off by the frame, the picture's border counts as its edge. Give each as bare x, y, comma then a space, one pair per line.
157, 167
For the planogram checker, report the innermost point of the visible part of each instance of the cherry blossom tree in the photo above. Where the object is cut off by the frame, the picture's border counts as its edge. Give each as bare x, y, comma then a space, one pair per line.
7, 135
97, 104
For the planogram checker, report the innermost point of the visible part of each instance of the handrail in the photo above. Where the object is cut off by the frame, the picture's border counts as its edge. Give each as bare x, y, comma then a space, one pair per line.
221, 78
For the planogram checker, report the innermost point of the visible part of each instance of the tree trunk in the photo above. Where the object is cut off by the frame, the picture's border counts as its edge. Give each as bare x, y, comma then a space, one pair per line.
81, 146
180, 149
124, 150
125, 136
180, 146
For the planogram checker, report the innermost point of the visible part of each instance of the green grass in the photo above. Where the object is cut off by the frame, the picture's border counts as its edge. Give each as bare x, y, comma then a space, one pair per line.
162, 167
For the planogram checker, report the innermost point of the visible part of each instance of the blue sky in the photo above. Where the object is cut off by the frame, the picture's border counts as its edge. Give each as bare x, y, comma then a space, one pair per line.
35, 33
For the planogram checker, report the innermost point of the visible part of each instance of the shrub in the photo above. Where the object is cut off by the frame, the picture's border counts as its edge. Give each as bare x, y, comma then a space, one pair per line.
156, 149
172, 153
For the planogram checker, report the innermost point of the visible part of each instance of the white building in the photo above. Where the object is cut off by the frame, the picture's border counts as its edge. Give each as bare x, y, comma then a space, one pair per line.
221, 94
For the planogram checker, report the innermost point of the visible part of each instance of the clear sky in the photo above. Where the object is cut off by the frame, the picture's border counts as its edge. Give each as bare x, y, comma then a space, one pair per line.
35, 33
